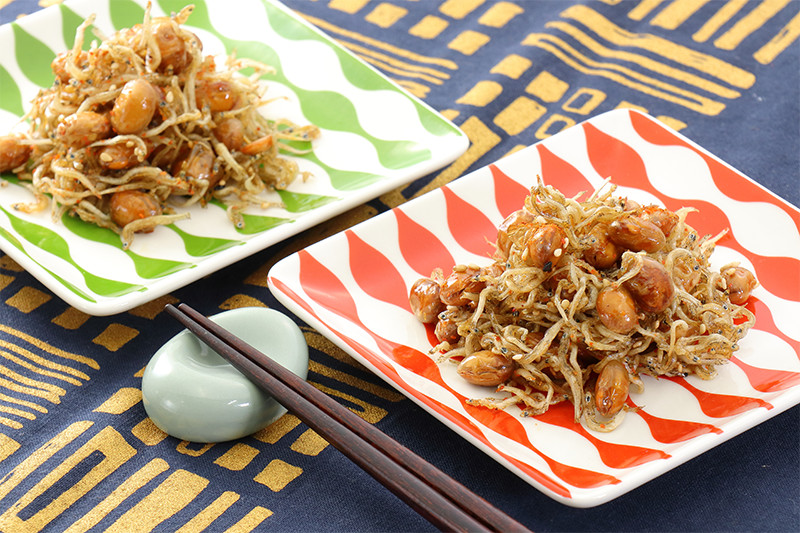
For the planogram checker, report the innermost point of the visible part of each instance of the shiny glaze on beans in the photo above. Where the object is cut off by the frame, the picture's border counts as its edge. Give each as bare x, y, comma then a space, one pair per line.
458, 283
127, 206
230, 132
601, 253
617, 309
218, 95
12, 153
446, 331
135, 107
118, 156
513, 222
546, 246
424, 300
686, 272
174, 55
665, 219
652, 287
258, 146
636, 234
197, 164
485, 368
740, 283
82, 129
611, 389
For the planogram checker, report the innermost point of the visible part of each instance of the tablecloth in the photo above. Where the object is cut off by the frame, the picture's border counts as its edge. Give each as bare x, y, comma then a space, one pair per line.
79, 451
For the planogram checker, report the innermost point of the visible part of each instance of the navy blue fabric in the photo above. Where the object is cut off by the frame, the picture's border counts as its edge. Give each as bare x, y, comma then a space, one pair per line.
749, 483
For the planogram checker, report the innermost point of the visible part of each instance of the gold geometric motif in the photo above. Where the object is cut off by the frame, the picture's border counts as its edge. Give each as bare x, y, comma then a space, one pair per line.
277, 475
5, 281
468, 42
120, 401
644, 8
500, 14
512, 66
214, 510
371, 413
458, 9
115, 450
27, 299
683, 55
786, 36
71, 319
481, 94
429, 27
186, 448
172, 495
718, 19
250, 521
273, 432
9, 264
547, 87
677, 13
584, 101
309, 443
384, 15
238, 301
153, 308
122, 492
7, 447
749, 23
238, 457
348, 6
353, 381
519, 114
147, 432
115, 336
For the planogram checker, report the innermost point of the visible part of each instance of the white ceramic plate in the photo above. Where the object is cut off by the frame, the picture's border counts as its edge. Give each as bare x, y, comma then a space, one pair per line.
353, 288
375, 138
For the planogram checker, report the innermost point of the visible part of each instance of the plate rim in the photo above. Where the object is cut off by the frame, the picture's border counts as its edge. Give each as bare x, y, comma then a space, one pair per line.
582, 498
452, 146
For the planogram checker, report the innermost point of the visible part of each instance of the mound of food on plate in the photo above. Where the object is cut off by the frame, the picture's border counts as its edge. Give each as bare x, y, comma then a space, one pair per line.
582, 299
144, 122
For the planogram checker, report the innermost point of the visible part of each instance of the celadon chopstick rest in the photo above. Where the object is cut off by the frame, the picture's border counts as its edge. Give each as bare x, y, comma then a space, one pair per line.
193, 394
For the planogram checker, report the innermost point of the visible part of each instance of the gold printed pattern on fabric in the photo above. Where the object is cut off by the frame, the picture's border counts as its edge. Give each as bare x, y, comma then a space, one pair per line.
115, 336
147, 432
500, 14
117, 497
115, 451
512, 66
429, 27
172, 495
71, 319
309, 443
122, 400
237, 457
468, 42
28, 299
384, 15
277, 475
206, 517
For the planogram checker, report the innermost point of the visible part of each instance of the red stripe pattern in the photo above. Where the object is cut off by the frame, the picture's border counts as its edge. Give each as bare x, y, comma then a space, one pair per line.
353, 287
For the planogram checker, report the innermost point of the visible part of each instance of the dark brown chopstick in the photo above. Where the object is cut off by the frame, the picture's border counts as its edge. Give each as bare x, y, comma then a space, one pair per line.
433, 494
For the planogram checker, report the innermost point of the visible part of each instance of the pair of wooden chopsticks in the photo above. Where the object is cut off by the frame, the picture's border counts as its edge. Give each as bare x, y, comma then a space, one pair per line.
433, 494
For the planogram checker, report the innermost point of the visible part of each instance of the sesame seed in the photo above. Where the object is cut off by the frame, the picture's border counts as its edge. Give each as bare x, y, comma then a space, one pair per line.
105, 157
